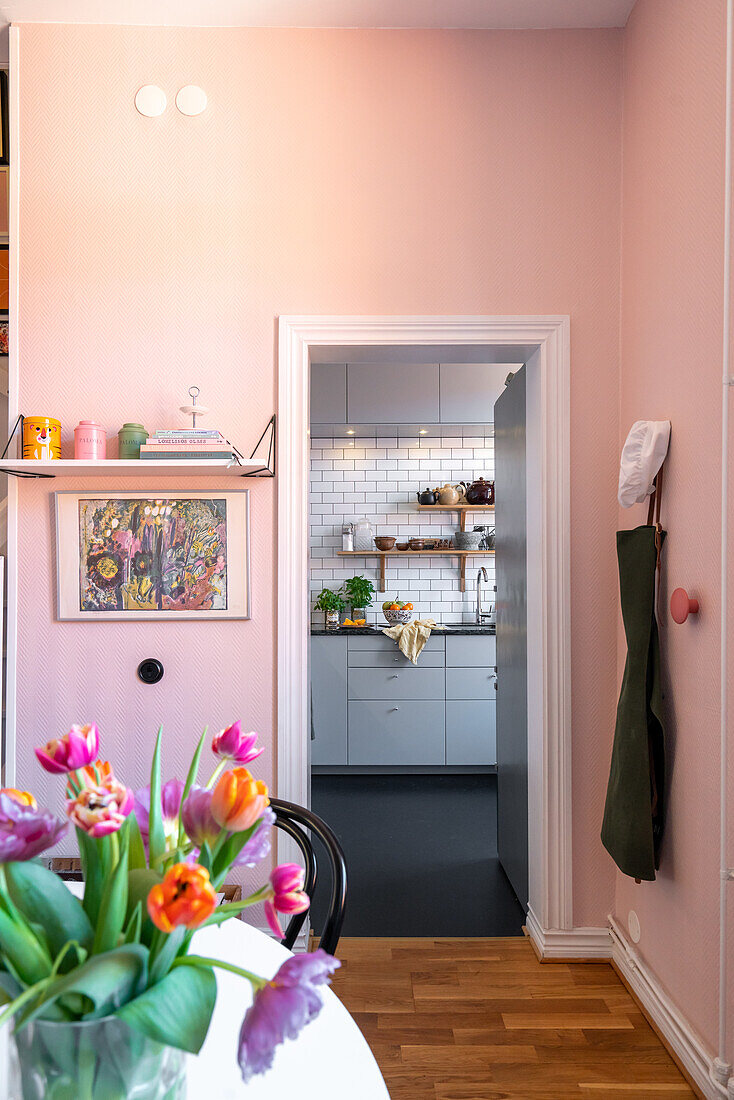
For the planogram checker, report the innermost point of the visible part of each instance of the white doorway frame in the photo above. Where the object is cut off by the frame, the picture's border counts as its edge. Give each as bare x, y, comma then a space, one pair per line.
543, 343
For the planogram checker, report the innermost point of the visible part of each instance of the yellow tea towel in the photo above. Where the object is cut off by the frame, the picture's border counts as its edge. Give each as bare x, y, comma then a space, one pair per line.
411, 637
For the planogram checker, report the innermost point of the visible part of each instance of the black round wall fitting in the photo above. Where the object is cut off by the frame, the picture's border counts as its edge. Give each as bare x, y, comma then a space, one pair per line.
150, 671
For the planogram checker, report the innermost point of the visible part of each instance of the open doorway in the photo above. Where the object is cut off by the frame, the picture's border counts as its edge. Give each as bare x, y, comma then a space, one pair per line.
542, 344
401, 525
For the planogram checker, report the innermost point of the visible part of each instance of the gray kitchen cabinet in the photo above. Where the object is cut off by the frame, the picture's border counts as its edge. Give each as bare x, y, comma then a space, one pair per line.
467, 651
328, 393
380, 643
471, 683
389, 732
392, 683
468, 391
471, 734
392, 393
370, 658
329, 700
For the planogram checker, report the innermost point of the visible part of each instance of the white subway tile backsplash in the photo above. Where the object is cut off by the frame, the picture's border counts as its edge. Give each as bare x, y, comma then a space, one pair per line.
379, 478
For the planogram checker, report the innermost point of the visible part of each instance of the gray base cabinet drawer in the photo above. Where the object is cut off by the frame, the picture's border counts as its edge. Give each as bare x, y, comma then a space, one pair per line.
471, 732
382, 644
471, 683
384, 732
377, 658
394, 683
465, 651
329, 700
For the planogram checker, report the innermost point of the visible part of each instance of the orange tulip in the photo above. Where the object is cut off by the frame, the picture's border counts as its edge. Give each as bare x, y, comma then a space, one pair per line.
186, 896
238, 800
23, 798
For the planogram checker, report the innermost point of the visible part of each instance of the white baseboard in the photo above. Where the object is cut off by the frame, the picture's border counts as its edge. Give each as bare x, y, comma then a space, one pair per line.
684, 1042
571, 943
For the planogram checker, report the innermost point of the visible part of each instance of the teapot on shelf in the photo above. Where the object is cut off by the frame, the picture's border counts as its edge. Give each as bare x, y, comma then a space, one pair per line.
480, 492
451, 494
427, 497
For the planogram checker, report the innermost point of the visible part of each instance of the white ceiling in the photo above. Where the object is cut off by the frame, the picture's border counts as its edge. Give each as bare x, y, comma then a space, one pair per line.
468, 14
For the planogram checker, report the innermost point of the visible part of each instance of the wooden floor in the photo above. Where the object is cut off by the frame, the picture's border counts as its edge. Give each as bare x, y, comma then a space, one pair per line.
484, 1020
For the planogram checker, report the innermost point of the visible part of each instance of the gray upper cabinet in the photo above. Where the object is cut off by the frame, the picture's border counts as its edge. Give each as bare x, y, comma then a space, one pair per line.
468, 391
328, 393
392, 393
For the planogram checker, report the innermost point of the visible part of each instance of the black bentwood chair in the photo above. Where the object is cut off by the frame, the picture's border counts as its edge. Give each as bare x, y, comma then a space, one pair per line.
298, 822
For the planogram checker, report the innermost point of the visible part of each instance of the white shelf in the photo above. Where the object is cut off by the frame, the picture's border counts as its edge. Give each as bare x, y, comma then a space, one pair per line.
132, 467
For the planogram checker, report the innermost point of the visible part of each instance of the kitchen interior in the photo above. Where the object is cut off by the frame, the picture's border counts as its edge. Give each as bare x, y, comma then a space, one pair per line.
409, 447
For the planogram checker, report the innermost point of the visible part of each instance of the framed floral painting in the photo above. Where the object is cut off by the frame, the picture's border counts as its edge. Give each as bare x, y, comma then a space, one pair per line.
132, 555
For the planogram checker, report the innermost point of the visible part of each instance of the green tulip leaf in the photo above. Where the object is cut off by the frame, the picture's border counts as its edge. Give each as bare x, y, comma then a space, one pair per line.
104, 981
112, 909
158, 1013
136, 848
139, 883
190, 780
43, 899
93, 858
156, 834
9, 987
25, 956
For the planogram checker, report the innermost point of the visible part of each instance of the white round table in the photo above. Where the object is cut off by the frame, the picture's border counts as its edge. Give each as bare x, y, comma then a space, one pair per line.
329, 1060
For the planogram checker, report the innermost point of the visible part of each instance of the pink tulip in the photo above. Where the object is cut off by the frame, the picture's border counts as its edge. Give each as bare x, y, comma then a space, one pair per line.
232, 744
78, 748
100, 807
287, 895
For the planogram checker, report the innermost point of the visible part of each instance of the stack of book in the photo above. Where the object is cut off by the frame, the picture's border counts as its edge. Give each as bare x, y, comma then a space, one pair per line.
185, 444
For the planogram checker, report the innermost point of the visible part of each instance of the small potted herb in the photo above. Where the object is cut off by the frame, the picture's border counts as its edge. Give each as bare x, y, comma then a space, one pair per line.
331, 603
359, 592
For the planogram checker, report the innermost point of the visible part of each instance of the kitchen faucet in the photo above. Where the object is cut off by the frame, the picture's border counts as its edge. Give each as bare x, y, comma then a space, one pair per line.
482, 616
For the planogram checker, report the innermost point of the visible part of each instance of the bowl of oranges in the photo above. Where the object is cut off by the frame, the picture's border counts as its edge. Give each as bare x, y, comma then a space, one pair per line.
395, 611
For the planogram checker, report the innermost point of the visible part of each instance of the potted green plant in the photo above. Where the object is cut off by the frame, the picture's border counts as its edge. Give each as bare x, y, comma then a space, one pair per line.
332, 604
359, 592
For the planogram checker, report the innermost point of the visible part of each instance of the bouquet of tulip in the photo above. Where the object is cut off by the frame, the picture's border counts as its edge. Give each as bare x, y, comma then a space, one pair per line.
152, 864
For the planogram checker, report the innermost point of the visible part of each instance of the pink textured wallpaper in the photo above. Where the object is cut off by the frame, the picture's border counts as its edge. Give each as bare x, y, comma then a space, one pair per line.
332, 172
672, 263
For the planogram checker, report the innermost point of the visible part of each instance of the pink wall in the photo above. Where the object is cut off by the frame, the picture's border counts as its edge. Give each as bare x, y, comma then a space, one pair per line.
332, 172
672, 262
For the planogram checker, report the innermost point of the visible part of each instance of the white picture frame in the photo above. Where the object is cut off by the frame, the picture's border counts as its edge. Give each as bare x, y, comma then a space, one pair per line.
131, 555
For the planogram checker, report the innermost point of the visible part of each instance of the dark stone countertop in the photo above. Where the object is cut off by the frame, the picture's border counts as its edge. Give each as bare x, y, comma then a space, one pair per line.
450, 628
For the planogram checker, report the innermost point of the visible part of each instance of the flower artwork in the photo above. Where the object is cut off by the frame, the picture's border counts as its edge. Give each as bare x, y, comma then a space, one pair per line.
153, 862
139, 555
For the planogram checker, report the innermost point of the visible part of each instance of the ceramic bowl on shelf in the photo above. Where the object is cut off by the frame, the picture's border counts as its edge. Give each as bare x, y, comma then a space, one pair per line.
467, 540
397, 616
402, 546
416, 544
385, 542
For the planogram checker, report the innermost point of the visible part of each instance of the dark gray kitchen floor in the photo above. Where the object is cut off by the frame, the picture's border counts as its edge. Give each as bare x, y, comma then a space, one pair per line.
421, 855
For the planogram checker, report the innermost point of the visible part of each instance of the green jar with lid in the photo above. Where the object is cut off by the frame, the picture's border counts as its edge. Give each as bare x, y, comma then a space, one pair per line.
130, 437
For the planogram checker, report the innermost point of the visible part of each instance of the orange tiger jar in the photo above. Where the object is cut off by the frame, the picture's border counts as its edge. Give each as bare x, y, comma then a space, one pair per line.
41, 437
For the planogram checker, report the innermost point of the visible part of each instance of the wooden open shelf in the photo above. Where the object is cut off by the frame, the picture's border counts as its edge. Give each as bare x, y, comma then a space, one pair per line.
462, 555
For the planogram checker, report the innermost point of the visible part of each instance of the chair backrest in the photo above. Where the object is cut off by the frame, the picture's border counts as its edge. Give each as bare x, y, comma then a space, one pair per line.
298, 822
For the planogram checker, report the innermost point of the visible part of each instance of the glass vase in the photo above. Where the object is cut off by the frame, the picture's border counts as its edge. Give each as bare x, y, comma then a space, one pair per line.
93, 1060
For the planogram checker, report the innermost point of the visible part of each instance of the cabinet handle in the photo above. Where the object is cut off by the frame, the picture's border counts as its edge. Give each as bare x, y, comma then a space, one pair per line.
395, 676
394, 708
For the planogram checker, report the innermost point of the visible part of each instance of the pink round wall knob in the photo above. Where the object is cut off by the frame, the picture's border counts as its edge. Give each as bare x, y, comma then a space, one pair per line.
681, 605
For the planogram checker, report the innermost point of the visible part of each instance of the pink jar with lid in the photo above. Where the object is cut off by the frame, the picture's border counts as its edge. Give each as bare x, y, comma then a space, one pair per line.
90, 440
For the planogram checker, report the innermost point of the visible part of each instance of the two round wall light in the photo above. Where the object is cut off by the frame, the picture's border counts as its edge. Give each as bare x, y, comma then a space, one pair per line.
150, 100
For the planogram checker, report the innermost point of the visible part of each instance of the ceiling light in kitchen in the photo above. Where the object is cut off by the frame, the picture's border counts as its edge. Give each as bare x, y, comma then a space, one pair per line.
423, 431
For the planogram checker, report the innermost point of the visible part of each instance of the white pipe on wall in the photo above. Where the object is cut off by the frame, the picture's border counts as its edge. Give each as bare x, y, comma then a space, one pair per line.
722, 1068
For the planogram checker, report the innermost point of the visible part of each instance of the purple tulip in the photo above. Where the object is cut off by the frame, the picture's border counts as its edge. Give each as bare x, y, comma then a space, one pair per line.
170, 805
25, 830
232, 744
258, 846
196, 814
281, 1009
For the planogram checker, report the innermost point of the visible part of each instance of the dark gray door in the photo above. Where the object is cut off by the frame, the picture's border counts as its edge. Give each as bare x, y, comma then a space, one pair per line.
512, 664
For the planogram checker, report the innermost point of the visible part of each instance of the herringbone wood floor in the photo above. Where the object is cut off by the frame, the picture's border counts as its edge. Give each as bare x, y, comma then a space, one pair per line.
484, 1020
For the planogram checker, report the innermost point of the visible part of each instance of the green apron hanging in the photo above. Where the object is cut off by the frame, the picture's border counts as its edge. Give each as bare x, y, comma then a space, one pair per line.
634, 811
